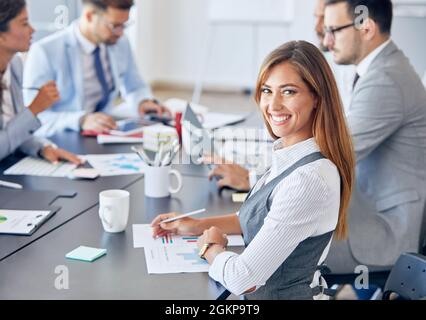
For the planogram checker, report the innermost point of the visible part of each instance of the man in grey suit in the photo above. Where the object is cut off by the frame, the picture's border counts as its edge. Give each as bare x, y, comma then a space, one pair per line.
17, 123
387, 119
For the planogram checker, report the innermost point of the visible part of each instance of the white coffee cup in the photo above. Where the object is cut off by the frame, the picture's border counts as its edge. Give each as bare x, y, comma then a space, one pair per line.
158, 181
114, 210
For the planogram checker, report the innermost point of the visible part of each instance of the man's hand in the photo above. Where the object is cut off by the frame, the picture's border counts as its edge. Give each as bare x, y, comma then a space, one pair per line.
99, 122
229, 175
54, 155
47, 96
150, 106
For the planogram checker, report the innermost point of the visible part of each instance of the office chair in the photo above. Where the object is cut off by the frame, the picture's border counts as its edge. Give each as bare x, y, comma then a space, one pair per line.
407, 278
377, 278
422, 243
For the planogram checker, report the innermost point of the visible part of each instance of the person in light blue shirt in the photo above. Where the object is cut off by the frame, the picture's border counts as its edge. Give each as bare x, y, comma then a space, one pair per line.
92, 63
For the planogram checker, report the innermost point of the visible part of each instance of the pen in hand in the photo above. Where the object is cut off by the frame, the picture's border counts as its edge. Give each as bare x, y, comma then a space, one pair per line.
183, 216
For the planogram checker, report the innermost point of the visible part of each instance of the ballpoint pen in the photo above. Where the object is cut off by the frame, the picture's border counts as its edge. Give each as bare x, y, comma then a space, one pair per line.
141, 153
166, 159
159, 155
173, 153
183, 216
8, 184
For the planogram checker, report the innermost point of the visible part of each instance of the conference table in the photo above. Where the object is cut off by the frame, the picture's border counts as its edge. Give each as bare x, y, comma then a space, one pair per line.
31, 266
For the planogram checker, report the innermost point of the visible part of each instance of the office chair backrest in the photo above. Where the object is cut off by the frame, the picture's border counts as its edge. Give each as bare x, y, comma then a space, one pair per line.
422, 245
407, 278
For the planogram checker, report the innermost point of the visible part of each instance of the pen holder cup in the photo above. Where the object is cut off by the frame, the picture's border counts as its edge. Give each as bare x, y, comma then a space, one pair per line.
158, 181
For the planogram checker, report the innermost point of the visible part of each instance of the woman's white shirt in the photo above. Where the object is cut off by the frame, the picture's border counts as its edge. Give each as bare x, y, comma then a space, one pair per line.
305, 204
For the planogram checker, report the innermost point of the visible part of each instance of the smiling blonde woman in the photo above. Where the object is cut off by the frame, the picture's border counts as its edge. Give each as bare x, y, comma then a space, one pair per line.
292, 213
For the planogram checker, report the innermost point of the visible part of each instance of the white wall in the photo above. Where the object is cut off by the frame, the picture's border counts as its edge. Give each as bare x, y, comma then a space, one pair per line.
170, 36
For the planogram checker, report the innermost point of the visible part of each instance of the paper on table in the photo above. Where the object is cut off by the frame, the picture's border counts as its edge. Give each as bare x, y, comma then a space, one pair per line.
172, 254
123, 110
105, 139
38, 167
174, 259
115, 164
179, 105
142, 237
213, 120
21, 222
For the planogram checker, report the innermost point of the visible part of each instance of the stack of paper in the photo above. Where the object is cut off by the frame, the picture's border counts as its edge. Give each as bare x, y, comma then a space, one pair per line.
159, 134
107, 138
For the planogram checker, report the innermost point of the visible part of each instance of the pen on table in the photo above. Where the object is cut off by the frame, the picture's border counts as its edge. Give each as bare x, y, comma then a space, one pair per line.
183, 216
8, 184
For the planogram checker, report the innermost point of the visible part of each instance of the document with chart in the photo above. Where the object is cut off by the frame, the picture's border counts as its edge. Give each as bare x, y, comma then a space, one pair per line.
105, 164
115, 164
171, 253
23, 222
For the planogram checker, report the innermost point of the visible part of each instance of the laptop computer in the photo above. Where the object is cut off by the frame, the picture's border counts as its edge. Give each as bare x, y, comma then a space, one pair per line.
197, 141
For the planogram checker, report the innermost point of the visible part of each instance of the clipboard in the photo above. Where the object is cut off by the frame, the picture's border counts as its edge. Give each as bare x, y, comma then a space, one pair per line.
32, 199
24, 222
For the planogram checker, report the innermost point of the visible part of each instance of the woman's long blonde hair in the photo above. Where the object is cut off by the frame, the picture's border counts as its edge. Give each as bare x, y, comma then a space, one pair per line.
329, 126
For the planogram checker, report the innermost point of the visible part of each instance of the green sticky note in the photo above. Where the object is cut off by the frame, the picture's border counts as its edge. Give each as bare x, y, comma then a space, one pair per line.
85, 254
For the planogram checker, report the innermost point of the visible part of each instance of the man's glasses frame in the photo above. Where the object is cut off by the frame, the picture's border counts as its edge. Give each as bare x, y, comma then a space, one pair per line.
117, 28
333, 30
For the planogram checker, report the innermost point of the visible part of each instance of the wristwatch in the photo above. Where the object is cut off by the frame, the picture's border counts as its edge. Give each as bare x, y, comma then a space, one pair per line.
204, 249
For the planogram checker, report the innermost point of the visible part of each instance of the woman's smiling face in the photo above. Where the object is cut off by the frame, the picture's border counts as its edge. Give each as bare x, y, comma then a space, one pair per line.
287, 104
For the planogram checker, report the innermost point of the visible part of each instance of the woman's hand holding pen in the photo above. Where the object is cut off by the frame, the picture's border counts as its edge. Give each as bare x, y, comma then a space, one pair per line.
47, 96
184, 227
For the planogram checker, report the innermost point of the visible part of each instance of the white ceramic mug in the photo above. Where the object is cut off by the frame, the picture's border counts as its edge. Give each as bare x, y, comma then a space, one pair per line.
114, 210
158, 181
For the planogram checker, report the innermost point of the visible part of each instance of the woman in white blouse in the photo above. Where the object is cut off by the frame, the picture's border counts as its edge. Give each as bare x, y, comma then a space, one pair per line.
292, 212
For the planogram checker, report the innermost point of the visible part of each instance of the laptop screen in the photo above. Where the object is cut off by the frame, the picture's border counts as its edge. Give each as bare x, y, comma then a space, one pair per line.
197, 141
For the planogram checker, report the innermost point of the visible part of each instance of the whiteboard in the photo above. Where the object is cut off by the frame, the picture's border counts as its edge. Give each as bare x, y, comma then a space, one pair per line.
251, 11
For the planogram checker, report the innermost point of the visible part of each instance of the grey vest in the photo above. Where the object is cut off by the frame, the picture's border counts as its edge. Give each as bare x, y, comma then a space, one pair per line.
293, 278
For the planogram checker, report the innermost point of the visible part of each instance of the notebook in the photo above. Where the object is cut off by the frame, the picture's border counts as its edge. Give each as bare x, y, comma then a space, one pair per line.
23, 222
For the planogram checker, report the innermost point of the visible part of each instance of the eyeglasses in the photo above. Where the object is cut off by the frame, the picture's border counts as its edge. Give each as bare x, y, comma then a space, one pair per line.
118, 28
333, 30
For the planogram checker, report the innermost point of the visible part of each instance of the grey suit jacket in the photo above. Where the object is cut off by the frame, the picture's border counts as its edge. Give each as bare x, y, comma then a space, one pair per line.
387, 119
18, 132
